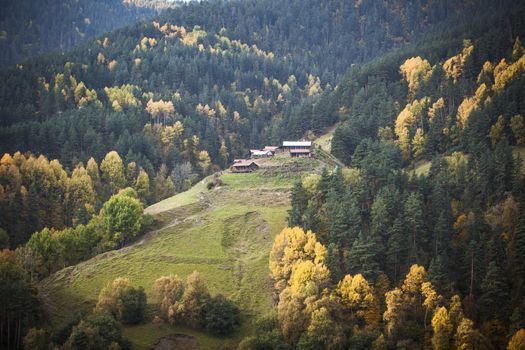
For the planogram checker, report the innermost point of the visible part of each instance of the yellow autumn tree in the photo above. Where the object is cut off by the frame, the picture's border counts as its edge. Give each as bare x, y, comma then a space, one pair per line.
206, 110
310, 183
504, 73
406, 120
124, 302
517, 342
466, 336
168, 291
112, 169
486, 75
470, 104
112, 65
122, 96
301, 280
436, 109
290, 246
308, 279
204, 161
357, 296
160, 111
325, 331
415, 295
414, 280
454, 67
101, 58
442, 328
290, 313
85, 96
416, 71
395, 312
432, 299
221, 110
109, 296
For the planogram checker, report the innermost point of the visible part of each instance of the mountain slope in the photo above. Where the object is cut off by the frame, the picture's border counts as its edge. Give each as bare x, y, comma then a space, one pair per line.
325, 37
30, 28
191, 90
225, 234
230, 89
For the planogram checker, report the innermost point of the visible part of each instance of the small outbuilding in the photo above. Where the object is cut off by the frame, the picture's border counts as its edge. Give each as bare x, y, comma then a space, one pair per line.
255, 153
244, 166
273, 149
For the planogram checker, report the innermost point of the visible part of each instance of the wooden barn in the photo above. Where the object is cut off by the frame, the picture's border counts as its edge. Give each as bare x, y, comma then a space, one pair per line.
300, 153
244, 166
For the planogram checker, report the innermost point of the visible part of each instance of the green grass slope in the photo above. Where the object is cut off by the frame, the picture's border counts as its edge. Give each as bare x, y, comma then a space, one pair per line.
225, 233
324, 141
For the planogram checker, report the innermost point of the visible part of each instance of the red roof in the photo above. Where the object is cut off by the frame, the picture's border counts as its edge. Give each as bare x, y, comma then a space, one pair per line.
299, 150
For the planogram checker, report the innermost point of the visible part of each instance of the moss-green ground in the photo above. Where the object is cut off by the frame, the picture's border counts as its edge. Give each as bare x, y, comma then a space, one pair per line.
225, 234
324, 141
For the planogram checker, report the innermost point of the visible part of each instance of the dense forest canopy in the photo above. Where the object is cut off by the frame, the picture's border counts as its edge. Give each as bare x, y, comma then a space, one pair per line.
416, 241
327, 36
31, 28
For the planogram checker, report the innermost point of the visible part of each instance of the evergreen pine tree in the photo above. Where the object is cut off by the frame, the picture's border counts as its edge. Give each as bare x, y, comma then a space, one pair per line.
142, 186
333, 263
516, 251
396, 250
437, 274
363, 257
299, 205
414, 223
324, 184
494, 293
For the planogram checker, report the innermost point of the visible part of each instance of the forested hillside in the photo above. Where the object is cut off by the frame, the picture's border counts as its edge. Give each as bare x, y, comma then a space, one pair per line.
420, 242
179, 100
30, 28
326, 37
417, 242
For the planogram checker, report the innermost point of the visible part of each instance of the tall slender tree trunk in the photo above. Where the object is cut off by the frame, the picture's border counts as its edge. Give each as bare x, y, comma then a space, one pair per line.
2, 329
19, 332
414, 247
8, 334
395, 269
17, 335
472, 275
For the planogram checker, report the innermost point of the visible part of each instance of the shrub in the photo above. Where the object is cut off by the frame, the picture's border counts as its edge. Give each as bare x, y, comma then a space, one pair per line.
221, 316
124, 302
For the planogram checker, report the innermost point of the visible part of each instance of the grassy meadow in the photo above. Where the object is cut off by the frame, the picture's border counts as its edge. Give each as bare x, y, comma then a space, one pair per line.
225, 233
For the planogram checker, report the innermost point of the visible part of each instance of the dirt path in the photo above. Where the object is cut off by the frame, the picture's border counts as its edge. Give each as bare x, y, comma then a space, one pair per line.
176, 342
